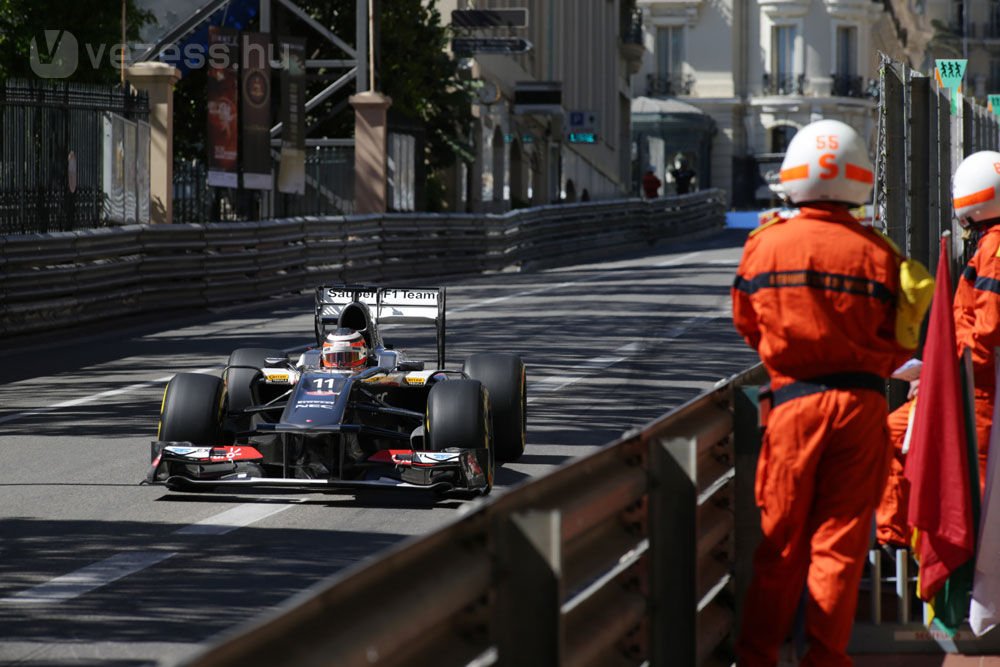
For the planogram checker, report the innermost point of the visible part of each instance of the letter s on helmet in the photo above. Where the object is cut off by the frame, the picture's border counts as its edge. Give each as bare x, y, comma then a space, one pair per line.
975, 189
827, 161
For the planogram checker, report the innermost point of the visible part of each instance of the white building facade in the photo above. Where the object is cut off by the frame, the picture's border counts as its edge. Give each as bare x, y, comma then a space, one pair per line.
553, 124
760, 69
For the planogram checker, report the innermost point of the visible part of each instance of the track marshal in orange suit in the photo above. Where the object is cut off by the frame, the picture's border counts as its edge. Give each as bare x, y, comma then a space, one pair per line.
832, 308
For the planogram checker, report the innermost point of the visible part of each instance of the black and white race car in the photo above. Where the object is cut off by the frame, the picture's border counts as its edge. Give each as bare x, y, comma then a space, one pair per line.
270, 422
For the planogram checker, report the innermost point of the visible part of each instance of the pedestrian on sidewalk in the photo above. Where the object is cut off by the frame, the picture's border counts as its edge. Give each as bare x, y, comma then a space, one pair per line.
651, 183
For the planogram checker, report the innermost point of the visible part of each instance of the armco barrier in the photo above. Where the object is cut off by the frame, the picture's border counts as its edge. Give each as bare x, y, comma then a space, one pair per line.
49, 280
618, 558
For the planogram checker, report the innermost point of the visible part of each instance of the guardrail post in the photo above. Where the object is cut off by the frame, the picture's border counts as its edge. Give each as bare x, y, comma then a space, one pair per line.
746, 443
673, 539
529, 594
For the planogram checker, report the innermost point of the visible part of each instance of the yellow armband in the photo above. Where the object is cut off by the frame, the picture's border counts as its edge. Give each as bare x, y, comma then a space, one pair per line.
916, 288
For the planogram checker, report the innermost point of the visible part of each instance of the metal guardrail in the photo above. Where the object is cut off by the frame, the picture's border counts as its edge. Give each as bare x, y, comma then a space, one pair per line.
51, 280
622, 557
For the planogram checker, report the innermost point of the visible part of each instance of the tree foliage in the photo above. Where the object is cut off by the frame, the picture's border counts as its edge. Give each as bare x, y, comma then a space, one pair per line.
96, 25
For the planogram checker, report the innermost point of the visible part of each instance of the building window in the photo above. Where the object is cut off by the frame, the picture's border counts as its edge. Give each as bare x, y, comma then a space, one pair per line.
993, 27
669, 49
782, 79
846, 82
847, 50
781, 136
669, 77
957, 17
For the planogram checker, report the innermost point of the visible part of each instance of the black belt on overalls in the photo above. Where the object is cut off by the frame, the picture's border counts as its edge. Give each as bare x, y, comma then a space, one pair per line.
822, 383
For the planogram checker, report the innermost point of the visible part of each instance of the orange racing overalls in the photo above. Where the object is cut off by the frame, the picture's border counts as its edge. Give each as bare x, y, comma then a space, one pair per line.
977, 327
816, 297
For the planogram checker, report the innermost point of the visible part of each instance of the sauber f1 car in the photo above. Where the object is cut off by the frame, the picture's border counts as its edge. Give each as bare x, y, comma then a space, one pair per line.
272, 423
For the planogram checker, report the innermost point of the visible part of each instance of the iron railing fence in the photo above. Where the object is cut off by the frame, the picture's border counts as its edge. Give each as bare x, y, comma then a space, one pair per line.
329, 190
849, 85
784, 84
55, 158
669, 85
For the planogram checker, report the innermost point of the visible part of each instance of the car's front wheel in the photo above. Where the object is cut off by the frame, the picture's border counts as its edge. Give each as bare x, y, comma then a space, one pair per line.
458, 415
192, 410
504, 377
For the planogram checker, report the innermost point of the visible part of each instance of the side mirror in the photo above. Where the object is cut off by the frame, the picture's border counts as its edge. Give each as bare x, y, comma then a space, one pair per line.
274, 361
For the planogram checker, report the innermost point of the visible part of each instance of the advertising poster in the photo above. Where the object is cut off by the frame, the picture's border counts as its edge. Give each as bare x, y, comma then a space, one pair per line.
255, 114
292, 169
222, 90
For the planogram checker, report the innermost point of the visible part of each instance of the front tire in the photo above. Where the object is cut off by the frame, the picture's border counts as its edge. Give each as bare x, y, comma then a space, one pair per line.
191, 410
458, 415
504, 377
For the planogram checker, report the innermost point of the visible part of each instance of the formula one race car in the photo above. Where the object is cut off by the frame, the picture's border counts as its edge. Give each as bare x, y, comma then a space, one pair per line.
380, 420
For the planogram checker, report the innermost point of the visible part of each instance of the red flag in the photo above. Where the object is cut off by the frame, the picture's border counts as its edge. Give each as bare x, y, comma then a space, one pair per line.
940, 506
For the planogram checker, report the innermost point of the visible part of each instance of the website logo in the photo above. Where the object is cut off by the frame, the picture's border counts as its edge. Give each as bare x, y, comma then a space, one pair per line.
58, 57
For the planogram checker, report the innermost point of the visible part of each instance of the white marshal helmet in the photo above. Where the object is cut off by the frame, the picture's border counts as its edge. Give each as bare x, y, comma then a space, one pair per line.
827, 161
975, 189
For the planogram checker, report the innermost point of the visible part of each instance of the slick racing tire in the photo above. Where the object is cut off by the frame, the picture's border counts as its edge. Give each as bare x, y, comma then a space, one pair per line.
238, 382
458, 415
503, 375
191, 410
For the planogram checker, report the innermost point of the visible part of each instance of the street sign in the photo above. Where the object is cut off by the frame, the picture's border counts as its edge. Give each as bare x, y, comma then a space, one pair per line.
501, 45
582, 121
582, 127
582, 137
994, 104
949, 75
515, 17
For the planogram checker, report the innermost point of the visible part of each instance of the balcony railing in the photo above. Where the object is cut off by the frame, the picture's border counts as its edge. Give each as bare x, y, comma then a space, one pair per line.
784, 84
632, 27
849, 85
670, 85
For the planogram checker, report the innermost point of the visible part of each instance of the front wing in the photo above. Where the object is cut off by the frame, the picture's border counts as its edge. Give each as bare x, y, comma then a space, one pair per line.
185, 467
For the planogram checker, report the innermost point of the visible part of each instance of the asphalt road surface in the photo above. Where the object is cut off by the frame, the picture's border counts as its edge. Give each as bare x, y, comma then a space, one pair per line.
96, 569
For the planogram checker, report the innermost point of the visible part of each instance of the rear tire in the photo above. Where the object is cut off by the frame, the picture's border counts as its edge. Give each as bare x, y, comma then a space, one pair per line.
191, 410
504, 377
458, 415
239, 381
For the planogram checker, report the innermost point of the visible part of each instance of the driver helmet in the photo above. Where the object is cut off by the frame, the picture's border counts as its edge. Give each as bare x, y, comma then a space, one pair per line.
345, 350
975, 189
827, 161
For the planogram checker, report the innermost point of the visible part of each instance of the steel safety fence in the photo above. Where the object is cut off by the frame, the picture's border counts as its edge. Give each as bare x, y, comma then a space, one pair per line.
66, 278
638, 554
623, 557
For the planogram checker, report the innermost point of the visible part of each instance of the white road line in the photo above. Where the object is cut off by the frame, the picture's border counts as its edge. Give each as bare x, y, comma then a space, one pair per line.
548, 288
557, 382
92, 577
585, 370
89, 578
230, 520
93, 398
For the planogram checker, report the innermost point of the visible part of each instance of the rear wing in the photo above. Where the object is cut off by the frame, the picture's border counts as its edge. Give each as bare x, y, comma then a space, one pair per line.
386, 305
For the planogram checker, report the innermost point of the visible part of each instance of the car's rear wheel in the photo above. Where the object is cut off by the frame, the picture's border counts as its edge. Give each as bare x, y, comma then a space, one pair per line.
242, 371
504, 377
191, 410
458, 415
